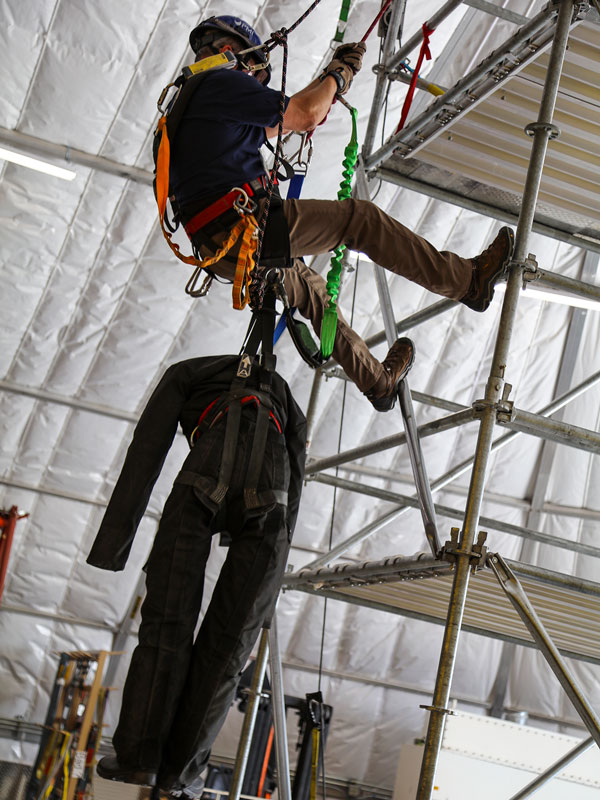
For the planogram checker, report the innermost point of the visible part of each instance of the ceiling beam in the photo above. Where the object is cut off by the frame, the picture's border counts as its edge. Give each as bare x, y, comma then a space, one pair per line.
70, 155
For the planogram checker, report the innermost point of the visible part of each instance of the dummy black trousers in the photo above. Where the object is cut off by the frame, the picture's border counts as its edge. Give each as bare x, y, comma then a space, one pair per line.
178, 690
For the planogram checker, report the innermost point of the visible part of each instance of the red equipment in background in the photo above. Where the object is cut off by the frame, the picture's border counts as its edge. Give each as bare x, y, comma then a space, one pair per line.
8, 521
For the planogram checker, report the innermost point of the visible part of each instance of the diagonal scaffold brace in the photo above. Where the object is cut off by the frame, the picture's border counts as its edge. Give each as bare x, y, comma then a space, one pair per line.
517, 596
417, 461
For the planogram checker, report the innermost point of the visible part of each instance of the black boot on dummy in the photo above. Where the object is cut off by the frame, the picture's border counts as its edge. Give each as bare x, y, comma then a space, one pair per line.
110, 769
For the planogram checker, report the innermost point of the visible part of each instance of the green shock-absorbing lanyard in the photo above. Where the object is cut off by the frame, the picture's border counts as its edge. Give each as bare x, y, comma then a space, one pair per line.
329, 324
342, 22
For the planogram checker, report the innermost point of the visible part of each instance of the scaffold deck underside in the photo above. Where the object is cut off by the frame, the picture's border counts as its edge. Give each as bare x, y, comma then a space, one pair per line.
422, 589
482, 155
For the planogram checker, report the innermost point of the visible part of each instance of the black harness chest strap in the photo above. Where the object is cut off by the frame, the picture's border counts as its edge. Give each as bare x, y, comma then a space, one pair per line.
178, 106
266, 324
260, 332
229, 449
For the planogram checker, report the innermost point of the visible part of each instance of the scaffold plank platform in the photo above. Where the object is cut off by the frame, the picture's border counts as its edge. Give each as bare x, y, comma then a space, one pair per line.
475, 148
569, 607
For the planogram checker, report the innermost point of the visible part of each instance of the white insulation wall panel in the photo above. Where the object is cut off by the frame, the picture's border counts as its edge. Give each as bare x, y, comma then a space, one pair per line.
93, 309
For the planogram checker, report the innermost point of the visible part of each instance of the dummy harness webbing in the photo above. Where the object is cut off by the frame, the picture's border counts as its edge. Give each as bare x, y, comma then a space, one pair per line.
260, 333
263, 330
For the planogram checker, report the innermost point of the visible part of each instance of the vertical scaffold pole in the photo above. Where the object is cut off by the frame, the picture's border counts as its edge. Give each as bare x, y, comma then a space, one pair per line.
542, 130
278, 703
311, 412
395, 25
241, 759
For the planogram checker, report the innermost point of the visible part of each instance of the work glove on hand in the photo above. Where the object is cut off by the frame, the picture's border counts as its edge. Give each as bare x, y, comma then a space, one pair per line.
346, 62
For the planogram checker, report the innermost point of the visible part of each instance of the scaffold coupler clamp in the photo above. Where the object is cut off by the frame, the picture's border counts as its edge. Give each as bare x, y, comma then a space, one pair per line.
505, 407
551, 130
580, 9
496, 397
451, 550
530, 270
438, 709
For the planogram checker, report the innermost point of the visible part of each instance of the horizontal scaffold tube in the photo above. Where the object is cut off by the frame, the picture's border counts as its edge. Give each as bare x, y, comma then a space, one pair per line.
428, 429
456, 513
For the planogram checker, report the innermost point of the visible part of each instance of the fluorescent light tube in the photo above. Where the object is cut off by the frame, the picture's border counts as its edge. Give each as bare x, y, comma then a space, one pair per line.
35, 163
541, 295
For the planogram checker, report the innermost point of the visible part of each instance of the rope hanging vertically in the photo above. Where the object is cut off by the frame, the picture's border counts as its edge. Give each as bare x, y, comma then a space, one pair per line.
257, 283
382, 11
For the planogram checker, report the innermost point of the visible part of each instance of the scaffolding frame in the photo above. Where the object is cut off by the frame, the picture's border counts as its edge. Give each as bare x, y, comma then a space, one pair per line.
551, 27
495, 407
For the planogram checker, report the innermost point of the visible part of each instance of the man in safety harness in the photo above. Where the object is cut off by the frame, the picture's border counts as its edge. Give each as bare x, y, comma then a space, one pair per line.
221, 125
242, 478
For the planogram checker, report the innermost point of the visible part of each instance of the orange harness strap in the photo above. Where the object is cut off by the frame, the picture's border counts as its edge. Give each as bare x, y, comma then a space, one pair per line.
245, 262
246, 228
163, 159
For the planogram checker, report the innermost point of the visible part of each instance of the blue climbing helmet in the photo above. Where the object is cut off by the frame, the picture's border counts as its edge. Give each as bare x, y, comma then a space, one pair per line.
207, 31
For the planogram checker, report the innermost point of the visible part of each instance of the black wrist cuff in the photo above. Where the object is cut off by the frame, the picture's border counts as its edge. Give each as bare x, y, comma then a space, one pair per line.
339, 79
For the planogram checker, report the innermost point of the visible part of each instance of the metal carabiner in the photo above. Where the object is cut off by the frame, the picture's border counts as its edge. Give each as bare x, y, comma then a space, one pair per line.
306, 139
298, 159
243, 204
164, 93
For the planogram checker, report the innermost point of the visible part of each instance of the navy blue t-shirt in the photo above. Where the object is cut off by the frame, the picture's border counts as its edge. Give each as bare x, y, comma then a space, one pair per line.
218, 139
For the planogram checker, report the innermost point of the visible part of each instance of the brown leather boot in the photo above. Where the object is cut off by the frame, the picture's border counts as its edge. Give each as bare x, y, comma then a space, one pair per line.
396, 364
488, 268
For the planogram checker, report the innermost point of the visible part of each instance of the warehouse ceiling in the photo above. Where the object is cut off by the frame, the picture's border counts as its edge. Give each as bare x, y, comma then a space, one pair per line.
94, 310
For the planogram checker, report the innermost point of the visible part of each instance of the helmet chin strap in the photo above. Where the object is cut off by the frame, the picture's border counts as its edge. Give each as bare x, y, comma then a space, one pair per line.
253, 69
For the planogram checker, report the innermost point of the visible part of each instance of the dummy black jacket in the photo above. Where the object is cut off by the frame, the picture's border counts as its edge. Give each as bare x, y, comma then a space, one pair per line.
184, 391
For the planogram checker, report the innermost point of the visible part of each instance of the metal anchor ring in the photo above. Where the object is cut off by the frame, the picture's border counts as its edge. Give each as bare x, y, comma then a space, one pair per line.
243, 204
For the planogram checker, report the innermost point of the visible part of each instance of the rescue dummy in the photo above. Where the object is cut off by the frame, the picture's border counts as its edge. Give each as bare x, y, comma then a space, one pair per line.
243, 476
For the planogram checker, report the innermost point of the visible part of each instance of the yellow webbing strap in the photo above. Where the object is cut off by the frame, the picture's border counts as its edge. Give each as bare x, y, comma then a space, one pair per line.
247, 228
245, 262
314, 763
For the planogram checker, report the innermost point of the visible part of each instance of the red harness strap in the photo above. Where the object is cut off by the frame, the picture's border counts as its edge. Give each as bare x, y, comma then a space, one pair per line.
215, 210
251, 398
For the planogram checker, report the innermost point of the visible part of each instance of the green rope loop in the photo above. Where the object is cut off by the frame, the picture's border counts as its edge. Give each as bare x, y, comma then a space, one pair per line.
329, 324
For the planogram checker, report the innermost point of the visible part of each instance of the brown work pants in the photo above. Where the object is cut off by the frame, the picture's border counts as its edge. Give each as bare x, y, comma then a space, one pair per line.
317, 226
